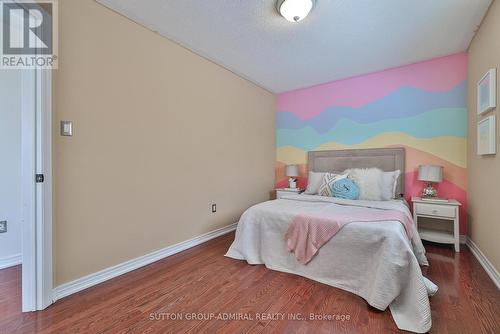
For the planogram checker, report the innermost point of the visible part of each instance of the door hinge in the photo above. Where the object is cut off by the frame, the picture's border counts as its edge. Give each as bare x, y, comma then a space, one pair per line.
39, 178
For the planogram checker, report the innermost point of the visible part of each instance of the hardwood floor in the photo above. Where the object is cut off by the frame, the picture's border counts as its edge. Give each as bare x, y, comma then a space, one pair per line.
202, 281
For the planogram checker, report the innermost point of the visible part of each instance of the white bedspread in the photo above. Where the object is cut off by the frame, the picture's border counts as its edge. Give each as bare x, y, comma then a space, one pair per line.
374, 260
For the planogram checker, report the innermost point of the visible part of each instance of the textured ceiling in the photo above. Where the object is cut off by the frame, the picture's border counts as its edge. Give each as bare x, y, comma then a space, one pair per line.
339, 39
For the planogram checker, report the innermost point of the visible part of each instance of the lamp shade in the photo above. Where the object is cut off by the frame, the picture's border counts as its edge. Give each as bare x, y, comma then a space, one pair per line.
292, 170
430, 173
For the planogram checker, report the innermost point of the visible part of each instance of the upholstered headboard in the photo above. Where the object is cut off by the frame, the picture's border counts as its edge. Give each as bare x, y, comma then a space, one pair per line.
387, 159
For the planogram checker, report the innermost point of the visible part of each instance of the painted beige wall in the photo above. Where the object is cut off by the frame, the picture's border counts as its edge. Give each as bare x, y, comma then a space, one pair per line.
159, 135
484, 172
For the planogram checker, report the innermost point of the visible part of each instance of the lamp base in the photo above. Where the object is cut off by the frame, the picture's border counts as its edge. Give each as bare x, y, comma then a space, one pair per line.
292, 183
429, 191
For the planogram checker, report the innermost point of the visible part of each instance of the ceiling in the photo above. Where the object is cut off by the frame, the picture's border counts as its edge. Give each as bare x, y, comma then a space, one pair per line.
339, 38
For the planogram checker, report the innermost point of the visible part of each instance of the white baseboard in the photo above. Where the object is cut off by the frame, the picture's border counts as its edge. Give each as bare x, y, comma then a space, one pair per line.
487, 265
85, 282
463, 239
10, 261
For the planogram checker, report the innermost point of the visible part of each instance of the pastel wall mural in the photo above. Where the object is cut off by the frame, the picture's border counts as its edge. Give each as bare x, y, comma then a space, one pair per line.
421, 107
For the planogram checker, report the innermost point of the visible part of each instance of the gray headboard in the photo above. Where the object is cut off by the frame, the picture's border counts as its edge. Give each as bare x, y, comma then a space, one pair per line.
387, 159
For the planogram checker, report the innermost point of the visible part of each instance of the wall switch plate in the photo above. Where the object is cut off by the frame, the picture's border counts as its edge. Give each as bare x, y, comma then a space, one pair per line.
3, 226
214, 208
67, 128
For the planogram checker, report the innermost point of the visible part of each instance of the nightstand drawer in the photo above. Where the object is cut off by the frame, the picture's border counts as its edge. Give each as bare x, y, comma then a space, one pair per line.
435, 210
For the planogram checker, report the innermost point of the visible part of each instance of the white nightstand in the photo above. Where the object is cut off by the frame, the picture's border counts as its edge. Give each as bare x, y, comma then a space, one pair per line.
445, 211
287, 191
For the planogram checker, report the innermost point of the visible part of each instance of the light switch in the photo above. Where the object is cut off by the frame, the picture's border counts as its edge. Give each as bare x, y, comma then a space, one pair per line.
66, 128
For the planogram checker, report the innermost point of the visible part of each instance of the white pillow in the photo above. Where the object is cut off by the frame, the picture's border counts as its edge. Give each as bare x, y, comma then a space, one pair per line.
313, 182
388, 184
368, 181
325, 189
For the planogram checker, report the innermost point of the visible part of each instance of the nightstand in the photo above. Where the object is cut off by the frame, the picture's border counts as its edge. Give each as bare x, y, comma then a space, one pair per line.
445, 213
287, 191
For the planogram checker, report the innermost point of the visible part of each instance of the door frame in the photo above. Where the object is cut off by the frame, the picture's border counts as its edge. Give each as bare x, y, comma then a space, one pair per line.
36, 158
37, 271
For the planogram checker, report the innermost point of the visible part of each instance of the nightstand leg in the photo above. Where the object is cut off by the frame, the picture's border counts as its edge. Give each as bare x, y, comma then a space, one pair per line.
457, 233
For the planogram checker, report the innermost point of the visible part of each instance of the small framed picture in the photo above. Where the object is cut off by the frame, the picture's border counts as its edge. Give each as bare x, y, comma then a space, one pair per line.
486, 92
486, 136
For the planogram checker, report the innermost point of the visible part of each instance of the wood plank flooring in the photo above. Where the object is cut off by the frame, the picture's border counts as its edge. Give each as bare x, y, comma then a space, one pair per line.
201, 282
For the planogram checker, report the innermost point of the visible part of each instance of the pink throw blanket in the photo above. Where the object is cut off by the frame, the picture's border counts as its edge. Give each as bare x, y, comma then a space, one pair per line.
308, 232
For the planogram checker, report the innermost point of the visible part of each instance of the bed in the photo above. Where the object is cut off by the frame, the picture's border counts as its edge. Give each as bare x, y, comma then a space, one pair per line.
375, 261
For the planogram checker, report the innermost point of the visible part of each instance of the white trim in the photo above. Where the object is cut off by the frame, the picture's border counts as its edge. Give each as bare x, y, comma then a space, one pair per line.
44, 285
10, 261
463, 239
485, 263
37, 197
28, 166
125, 267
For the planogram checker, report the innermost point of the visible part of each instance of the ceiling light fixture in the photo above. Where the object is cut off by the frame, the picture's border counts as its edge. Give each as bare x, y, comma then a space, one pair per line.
294, 10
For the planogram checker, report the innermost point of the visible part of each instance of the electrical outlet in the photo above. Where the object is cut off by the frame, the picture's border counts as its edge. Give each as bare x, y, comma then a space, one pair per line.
3, 226
214, 208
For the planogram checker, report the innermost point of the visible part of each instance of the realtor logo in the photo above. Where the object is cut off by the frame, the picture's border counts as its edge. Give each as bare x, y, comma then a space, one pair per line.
28, 34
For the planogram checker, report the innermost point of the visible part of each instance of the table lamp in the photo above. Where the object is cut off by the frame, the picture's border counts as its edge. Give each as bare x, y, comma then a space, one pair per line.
292, 171
430, 174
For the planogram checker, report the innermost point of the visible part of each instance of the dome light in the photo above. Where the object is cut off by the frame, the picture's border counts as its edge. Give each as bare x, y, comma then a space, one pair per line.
294, 10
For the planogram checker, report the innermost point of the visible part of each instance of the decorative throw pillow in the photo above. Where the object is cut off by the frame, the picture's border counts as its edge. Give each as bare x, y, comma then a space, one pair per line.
388, 184
368, 181
325, 189
345, 188
314, 182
